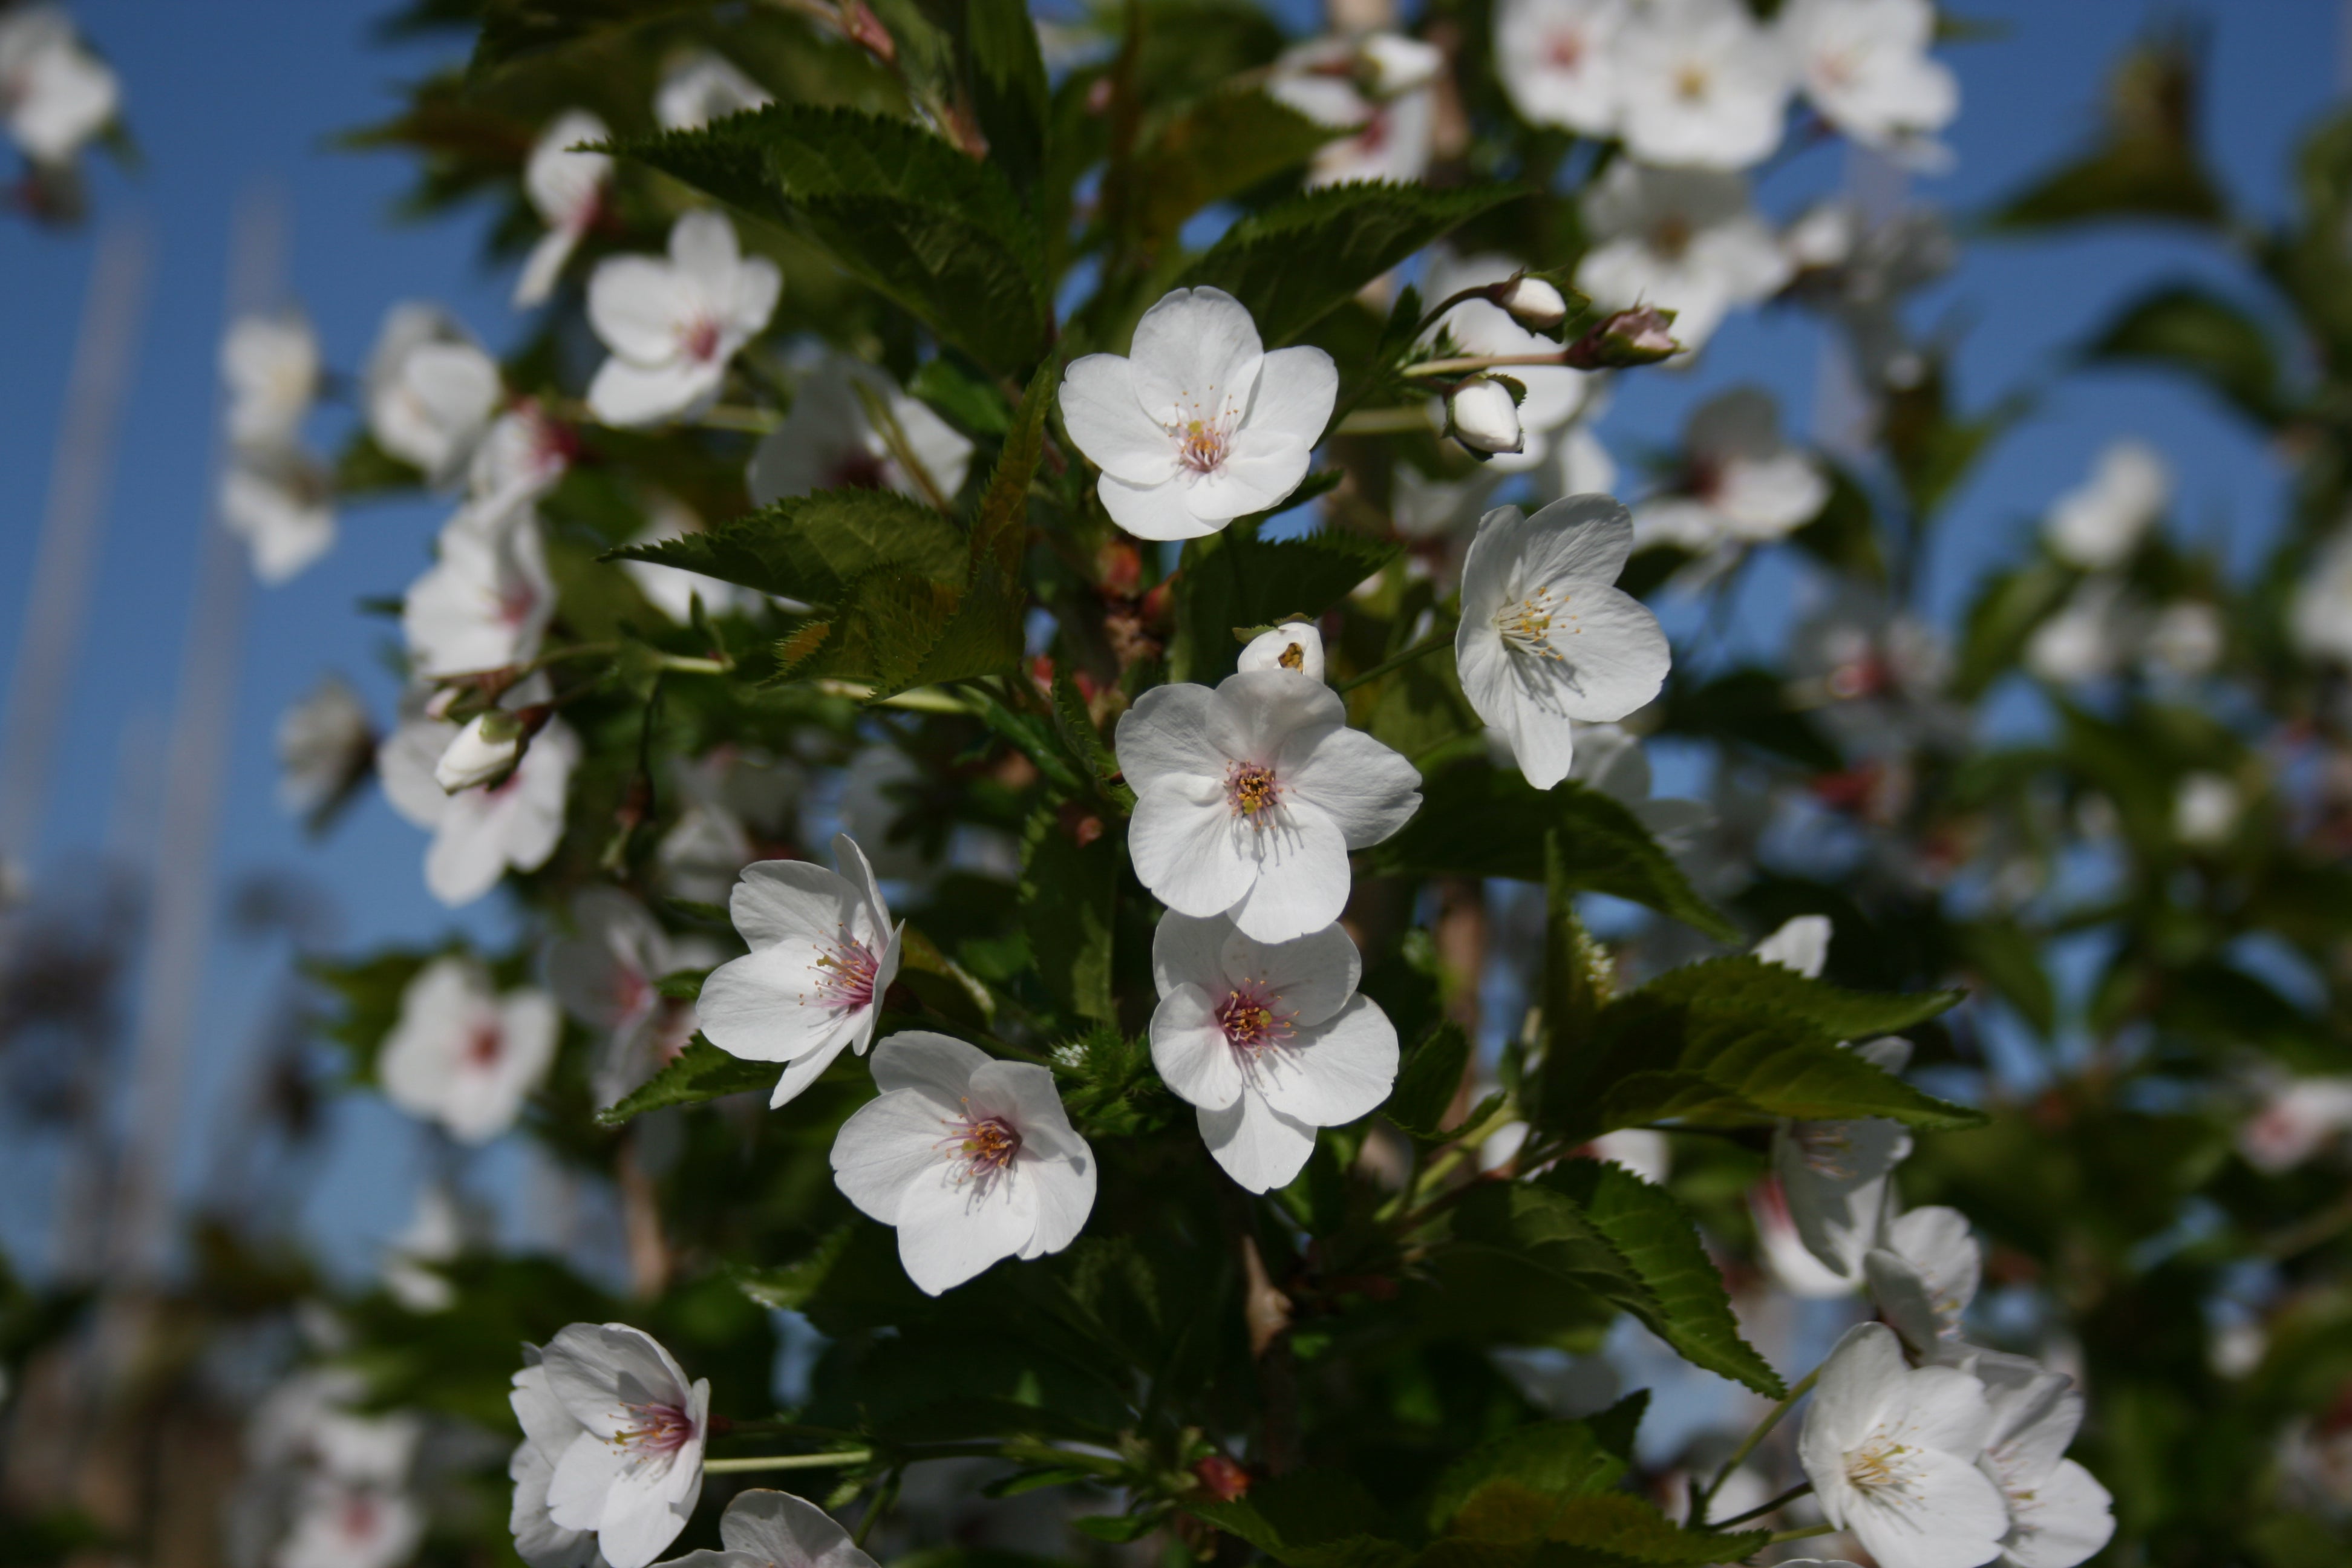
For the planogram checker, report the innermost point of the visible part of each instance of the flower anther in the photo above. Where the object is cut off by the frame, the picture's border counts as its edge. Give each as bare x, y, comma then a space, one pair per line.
1252, 790
846, 974
1526, 626
660, 1429
982, 1147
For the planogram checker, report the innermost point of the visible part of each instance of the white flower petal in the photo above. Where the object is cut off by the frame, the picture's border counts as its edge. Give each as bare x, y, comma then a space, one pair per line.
1104, 417
1335, 1071
1258, 1146
1189, 1047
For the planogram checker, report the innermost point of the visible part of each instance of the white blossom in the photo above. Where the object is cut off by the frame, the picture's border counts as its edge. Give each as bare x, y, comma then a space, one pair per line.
349, 1524
1545, 638
2059, 1515
55, 95
1686, 240
1555, 394
1268, 1040
2205, 810
672, 323
2296, 1120
1923, 1274
2098, 524
1480, 414
831, 439
1611, 760
566, 188
1801, 943
1293, 646
429, 391
603, 973
611, 1453
1200, 425
776, 1530
270, 364
325, 742
484, 749
703, 86
1835, 1175
519, 458
1700, 84
281, 504
1380, 87
477, 834
487, 600
1558, 60
823, 951
1250, 797
463, 1055
972, 1158
2185, 640
2321, 615
1787, 1259
1864, 66
1892, 1453
2089, 637
1743, 481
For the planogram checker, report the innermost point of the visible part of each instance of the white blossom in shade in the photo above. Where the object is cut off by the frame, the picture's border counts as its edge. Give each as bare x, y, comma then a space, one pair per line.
270, 364
604, 972
282, 505
1545, 638
1611, 761
463, 1056
764, 1529
672, 590
566, 188
1686, 240
1786, 1259
1801, 943
429, 391
521, 457
823, 951
2320, 618
2059, 1515
2184, 641
2098, 524
972, 1158
1835, 1175
1743, 481
2205, 810
703, 86
1250, 797
349, 1524
832, 439
1555, 394
2089, 637
1700, 84
1892, 1452
1268, 1040
1382, 88
1558, 60
1864, 66
672, 323
880, 805
55, 95
435, 1234
1923, 1274
1200, 424
309, 1421
479, 833
1294, 646
325, 743
611, 1458
2296, 1120
486, 602
1640, 1150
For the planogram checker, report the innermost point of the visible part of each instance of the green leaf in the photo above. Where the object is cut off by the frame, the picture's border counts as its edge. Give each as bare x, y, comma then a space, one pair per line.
1236, 579
1214, 148
2145, 163
1298, 261
1429, 1081
1615, 1529
1553, 1458
2002, 620
1310, 1518
817, 548
1068, 894
1743, 981
1119, 1528
2196, 332
984, 637
512, 29
2008, 958
700, 1072
1750, 707
1009, 92
789, 1286
1079, 732
682, 985
1478, 820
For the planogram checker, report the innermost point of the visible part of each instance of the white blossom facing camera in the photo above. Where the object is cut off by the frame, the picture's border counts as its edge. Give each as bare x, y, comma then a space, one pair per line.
1250, 797
704, 87
972, 1158
1558, 60
486, 602
428, 391
611, 1458
270, 364
835, 437
463, 1056
672, 323
1743, 481
566, 188
1199, 424
1382, 88
55, 95
1892, 1453
478, 832
1701, 85
1686, 240
1865, 64
1545, 638
1295, 646
1268, 1040
2059, 1515
342, 1523
519, 458
823, 951
1481, 415
1923, 1274
2098, 524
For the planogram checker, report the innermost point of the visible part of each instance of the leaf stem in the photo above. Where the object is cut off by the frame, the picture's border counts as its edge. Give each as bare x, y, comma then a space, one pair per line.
1802, 1490
1810, 1530
1427, 645
1747, 1446
1481, 362
787, 1461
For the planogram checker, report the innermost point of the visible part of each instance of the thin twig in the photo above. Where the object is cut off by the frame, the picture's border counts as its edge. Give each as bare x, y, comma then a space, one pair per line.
788, 1461
1801, 1489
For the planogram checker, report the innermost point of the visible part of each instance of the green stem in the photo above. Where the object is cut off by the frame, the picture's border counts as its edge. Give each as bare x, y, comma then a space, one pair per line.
1421, 649
787, 1462
1761, 1509
1480, 361
1810, 1530
1747, 1446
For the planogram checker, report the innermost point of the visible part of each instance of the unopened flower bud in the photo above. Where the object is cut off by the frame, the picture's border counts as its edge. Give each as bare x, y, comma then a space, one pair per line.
1482, 416
1295, 646
1642, 335
485, 751
1533, 302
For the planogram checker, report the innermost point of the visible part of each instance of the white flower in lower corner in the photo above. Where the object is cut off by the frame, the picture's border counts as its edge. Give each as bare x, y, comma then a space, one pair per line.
55, 94
1866, 67
1558, 60
611, 1457
270, 364
485, 604
832, 440
283, 506
1380, 88
2098, 524
326, 744
2059, 1515
1686, 240
2321, 615
1268, 1040
1295, 646
429, 391
972, 1158
672, 323
1700, 84
604, 972
823, 951
1923, 1274
1545, 638
1742, 480
478, 832
703, 86
566, 188
340, 1523
1892, 1453
1199, 424
1250, 797
462, 1053
764, 1529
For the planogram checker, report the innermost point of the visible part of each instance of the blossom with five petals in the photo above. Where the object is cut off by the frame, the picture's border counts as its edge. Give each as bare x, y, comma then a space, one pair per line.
1379, 87
1558, 60
611, 1457
2059, 1514
1701, 84
463, 1054
1923, 1274
831, 440
429, 391
1865, 64
604, 972
487, 600
1742, 480
672, 323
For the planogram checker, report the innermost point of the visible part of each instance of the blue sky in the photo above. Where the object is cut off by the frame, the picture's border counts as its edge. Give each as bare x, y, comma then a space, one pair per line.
234, 93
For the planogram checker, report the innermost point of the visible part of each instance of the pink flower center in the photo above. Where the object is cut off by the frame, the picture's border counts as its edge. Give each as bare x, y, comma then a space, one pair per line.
1251, 790
516, 600
845, 973
1204, 451
699, 340
982, 1148
660, 1429
858, 469
359, 1517
1250, 1021
629, 989
485, 1046
1567, 50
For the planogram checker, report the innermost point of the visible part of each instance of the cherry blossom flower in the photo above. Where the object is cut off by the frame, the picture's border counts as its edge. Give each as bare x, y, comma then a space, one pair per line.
478, 832
1545, 637
830, 440
429, 391
326, 744
55, 95
282, 505
1268, 1040
1250, 797
1558, 60
972, 1158
2089, 638
1787, 1259
1892, 1452
1923, 1274
2059, 1515
269, 363
764, 1529
1686, 240
519, 458
463, 1056
605, 973
1381, 87
486, 602
672, 323
2296, 1120
1700, 84
823, 951
1864, 66
2205, 810
1294, 646
1743, 481
340, 1523
673, 590
566, 188
1835, 1174
1611, 760
611, 1457
2185, 640
2098, 524
1200, 425
2320, 618
1555, 394
1801, 943
703, 86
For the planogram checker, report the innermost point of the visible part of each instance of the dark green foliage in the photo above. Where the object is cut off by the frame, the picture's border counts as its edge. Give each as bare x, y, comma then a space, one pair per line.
701, 1072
